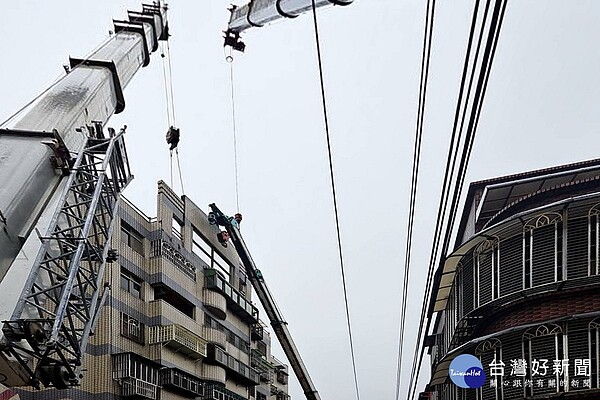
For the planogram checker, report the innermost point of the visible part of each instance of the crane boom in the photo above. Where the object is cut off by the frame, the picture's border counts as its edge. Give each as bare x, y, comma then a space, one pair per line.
91, 91
62, 174
257, 13
266, 298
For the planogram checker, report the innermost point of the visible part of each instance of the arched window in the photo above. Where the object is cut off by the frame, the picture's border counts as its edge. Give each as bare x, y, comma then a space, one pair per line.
490, 354
547, 369
594, 340
543, 243
487, 258
593, 236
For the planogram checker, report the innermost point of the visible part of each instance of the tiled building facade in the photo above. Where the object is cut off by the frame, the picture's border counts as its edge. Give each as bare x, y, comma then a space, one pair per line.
521, 289
179, 322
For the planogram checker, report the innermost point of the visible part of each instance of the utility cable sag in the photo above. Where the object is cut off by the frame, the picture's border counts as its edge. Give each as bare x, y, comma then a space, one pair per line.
335, 206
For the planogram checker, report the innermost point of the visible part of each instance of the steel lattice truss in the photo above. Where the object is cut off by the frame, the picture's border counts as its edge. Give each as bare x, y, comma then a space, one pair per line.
50, 327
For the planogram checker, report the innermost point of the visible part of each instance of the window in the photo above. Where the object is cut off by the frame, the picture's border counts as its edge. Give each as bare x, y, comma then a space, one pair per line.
490, 354
488, 271
232, 338
527, 245
544, 344
282, 377
132, 329
201, 248
176, 227
171, 377
475, 284
132, 238
594, 340
162, 292
131, 283
220, 264
593, 264
543, 255
559, 276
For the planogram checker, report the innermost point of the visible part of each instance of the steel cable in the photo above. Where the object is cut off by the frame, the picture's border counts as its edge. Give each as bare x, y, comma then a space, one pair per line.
425, 58
335, 205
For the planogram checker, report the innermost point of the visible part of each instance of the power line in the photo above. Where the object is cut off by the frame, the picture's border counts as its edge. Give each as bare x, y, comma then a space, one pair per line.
425, 58
335, 206
475, 111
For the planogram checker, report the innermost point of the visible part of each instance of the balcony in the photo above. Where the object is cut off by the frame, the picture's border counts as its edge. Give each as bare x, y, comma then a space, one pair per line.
235, 301
160, 248
137, 388
258, 361
214, 336
214, 391
179, 339
256, 332
181, 382
136, 375
215, 302
282, 376
236, 369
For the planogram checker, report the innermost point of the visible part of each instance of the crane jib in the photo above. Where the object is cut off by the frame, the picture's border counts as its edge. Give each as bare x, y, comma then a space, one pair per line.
280, 327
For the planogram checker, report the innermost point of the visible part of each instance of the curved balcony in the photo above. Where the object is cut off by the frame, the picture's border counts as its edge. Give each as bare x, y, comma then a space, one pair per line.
213, 373
214, 336
215, 302
235, 300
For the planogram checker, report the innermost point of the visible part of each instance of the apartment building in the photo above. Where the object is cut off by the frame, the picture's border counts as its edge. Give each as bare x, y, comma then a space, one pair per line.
178, 321
521, 289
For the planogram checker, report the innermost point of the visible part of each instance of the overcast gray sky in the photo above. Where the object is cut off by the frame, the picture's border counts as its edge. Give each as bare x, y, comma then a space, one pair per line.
540, 110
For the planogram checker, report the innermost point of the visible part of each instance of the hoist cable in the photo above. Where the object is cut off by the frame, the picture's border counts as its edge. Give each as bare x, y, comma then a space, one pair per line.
179, 169
425, 58
166, 82
171, 166
235, 153
335, 206
171, 82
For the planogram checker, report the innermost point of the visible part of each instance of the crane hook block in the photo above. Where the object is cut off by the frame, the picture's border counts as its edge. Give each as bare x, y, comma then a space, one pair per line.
232, 38
173, 136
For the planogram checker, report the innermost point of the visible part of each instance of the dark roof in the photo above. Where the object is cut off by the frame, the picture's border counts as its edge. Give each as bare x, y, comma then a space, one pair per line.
499, 193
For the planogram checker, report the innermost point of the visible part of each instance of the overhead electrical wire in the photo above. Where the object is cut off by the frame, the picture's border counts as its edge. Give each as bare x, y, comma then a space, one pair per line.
425, 57
335, 205
475, 111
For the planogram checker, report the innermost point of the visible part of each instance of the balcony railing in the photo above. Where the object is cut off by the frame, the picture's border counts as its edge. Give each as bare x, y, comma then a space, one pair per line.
132, 387
161, 248
240, 371
137, 376
180, 339
218, 392
235, 301
258, 361
180, 381
282, 377
256, 331
137, 388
